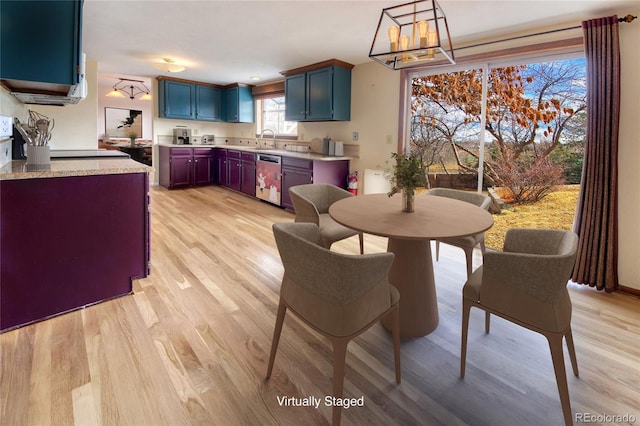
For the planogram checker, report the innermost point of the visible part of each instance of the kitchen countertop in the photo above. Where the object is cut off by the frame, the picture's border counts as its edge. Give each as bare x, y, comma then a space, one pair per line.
87, 153
18, 169
281, 152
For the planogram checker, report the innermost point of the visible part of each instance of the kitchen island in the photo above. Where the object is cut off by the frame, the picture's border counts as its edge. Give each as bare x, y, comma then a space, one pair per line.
72, 235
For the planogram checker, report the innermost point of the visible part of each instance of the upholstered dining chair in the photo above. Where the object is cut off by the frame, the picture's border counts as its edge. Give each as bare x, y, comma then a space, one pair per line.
340, 296
526, 284
311, 203
465, 243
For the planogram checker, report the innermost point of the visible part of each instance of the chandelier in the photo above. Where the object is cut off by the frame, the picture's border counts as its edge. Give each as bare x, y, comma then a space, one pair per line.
130, 88
412, 34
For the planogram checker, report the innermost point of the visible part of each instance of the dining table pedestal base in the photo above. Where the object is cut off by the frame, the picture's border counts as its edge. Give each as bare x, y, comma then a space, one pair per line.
412, 274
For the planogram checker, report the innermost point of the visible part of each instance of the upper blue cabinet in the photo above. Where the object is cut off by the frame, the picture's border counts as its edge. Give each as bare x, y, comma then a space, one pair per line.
176, 99
318, 92
190, 100
41, 41
239, 104
208, 103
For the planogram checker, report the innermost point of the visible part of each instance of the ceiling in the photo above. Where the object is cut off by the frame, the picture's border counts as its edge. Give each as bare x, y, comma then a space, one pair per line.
231, 41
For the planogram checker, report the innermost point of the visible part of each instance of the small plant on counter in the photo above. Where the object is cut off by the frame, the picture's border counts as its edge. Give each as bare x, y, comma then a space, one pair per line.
132, 136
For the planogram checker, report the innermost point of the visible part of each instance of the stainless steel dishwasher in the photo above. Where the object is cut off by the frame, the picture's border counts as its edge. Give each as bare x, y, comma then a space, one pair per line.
268, 178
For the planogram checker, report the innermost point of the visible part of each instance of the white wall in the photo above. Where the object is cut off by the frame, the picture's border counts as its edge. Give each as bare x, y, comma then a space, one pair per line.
629, 155
10, 106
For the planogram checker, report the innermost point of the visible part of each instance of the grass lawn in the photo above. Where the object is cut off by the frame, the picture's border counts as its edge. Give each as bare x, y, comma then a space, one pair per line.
555, 211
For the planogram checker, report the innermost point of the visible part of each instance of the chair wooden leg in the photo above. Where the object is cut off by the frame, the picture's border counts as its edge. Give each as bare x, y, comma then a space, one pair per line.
361, 243
282, 310
572, 351
466, 308
468, 253
339, 359
396, 341
555, 345
487, 321
437, 250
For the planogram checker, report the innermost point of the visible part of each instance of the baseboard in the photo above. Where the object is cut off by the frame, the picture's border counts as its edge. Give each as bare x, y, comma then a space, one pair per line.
629, 290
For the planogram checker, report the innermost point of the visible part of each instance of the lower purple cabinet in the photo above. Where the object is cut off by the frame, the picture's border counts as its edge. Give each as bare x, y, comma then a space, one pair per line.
181, 167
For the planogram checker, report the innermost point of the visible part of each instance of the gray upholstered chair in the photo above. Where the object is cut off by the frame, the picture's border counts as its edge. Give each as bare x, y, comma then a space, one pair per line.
527, 285
340, 296
311, 203
465, 243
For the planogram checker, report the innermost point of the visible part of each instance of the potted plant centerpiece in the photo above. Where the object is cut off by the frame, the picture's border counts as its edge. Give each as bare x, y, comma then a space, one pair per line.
408, 174
132, 138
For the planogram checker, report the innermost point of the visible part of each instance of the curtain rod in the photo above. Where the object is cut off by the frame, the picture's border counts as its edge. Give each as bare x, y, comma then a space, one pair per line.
627, 19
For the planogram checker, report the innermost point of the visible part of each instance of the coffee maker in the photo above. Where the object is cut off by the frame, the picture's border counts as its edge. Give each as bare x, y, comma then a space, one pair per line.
182, 136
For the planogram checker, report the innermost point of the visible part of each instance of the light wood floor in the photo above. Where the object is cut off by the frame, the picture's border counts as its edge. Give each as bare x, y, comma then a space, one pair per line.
190, 347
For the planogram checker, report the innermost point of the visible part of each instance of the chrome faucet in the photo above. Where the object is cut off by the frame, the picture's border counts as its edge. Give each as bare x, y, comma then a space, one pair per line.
273, 143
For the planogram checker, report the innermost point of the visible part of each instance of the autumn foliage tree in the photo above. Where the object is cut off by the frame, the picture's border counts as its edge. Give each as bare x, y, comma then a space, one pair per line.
529, 109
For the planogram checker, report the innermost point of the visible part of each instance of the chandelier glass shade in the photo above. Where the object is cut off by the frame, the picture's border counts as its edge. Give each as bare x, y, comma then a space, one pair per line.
411, 35
130, 89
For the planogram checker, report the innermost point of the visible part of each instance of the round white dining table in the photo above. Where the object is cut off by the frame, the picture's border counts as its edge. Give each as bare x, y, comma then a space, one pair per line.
409, 239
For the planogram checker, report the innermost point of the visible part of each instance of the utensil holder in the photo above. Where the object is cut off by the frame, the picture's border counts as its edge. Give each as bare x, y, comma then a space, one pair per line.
38, 155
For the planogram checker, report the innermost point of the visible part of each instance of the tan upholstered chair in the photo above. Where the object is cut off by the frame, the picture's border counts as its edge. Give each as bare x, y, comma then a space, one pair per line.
527, 285
465, 243
338, 295
311, 203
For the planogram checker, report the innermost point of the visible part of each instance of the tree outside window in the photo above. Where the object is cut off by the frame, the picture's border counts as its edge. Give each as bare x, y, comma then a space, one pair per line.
535, 124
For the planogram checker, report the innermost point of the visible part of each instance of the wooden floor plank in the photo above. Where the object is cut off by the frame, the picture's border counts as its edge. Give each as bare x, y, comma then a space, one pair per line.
191, 346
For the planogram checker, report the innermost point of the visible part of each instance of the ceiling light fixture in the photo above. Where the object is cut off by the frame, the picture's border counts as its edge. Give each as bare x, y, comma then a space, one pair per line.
169, 65
127, 87
412, 34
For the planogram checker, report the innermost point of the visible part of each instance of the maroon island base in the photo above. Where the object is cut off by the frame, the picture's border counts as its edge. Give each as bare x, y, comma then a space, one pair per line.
68, 242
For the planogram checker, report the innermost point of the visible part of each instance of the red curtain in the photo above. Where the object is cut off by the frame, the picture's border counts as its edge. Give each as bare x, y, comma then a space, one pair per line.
596, 221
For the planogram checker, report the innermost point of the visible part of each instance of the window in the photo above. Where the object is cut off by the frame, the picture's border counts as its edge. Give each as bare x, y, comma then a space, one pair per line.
535, 122
271, 116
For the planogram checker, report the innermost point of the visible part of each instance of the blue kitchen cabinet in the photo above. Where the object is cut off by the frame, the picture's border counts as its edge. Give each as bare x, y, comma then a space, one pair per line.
208, 103
176, 99
41, 41
320, 93
295, 100
239, 104
188, 100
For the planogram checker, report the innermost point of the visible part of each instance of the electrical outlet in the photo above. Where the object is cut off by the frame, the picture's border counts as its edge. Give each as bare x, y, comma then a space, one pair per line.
354, 136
